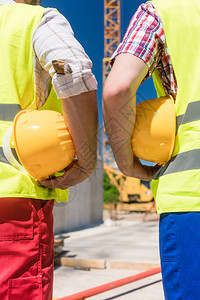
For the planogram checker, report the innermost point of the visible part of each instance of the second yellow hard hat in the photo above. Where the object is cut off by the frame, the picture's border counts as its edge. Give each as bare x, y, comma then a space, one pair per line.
42, 142
154, 132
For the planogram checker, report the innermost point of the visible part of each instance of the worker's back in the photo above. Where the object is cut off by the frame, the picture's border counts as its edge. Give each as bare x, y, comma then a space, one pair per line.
17, 88
178, 188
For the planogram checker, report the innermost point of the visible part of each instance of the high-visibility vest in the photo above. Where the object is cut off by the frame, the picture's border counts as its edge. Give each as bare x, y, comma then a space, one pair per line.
17, 91
176, 186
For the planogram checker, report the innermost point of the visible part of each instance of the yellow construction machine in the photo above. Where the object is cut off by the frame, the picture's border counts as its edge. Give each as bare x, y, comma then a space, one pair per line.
134, 195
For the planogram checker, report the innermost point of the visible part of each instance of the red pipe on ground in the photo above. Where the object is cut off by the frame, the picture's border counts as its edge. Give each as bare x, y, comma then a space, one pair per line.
111, 285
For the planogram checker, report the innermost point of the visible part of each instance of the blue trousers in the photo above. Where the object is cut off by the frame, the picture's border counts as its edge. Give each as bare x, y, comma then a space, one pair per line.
179, 238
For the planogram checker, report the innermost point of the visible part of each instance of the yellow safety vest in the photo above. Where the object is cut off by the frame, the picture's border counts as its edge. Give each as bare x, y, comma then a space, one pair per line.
176, 186
17, 91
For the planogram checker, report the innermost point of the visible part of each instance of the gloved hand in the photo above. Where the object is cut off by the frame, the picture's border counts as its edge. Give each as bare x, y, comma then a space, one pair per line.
74, 174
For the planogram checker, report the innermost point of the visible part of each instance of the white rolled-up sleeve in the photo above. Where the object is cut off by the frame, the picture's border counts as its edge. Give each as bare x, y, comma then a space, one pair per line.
53, 40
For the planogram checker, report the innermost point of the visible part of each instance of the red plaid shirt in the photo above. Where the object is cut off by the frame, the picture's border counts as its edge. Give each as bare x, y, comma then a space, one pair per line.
145, 39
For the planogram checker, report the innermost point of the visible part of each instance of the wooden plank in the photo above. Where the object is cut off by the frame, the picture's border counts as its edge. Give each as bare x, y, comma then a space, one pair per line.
80, 263
125, 265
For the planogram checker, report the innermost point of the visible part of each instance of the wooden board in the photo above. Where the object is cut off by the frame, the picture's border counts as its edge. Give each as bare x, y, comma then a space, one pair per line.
125, 265
80, 263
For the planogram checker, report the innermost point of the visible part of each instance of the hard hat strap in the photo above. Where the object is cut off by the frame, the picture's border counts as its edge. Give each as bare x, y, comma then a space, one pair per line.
8, 152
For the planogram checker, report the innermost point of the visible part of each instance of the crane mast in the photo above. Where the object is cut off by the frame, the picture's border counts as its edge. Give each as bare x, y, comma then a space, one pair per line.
112, 32
112, 37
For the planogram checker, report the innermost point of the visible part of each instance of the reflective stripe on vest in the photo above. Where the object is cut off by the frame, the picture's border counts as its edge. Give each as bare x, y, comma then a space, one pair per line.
192, 114
189, 160
3, 158
8, 111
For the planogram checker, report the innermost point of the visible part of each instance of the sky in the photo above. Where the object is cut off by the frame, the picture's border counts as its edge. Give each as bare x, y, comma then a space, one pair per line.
87, 21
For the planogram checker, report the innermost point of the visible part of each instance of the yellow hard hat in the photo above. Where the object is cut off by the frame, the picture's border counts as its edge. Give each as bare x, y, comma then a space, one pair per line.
42, 142
154, 131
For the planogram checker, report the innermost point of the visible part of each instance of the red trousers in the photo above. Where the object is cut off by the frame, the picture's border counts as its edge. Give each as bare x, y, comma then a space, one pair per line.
26, 249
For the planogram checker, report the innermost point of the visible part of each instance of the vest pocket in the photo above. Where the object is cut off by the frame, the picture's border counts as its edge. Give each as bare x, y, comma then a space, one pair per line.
28, 288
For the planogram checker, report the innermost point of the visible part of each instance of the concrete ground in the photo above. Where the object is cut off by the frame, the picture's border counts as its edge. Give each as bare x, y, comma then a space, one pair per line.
128, 240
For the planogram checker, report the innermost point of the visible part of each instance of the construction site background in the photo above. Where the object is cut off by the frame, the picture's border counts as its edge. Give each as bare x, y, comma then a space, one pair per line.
117, 248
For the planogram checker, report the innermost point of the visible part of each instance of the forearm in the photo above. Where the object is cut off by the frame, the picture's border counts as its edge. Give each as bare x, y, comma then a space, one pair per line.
119, 104
81, 116
119, 119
